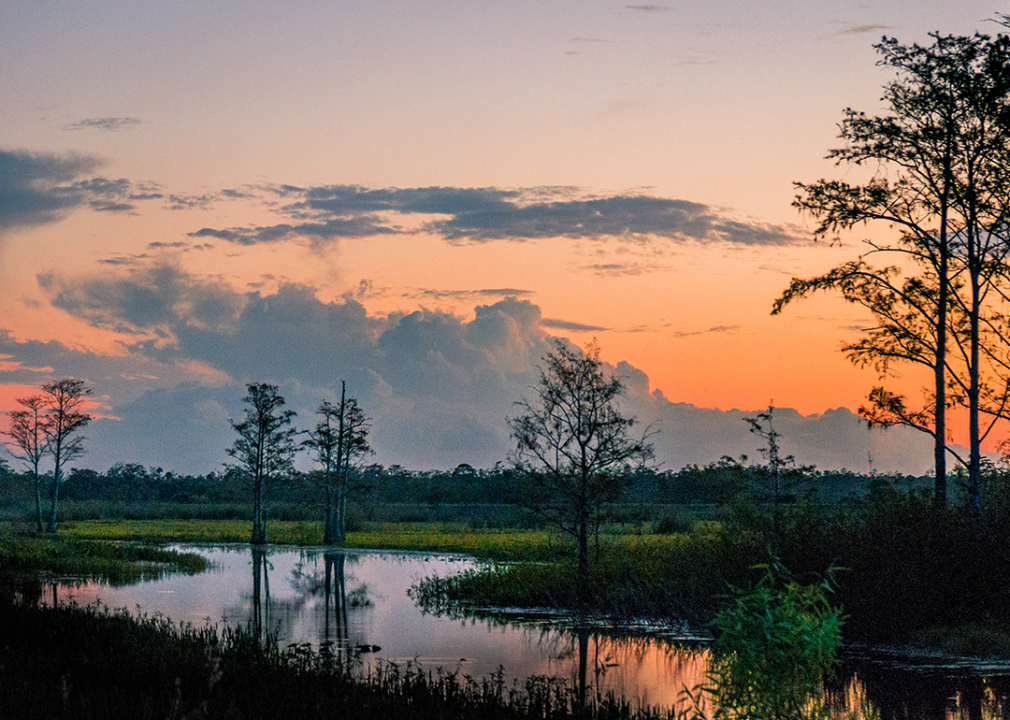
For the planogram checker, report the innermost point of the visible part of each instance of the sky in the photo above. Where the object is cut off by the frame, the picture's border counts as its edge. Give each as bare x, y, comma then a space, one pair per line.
420, 199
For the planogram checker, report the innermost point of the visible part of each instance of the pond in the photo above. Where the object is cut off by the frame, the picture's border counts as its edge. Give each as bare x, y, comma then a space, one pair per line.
358, 601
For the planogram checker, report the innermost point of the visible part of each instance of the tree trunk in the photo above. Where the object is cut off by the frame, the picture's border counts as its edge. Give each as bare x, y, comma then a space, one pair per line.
259, 535
583, 538
342, 523
56, 495
38, 500
940, 376
330, 524
975, 457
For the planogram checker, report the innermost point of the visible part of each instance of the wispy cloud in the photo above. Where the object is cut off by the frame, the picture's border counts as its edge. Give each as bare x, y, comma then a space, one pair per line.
190, 202
331, 212
623, 269
329, 230
556, 324
466, 294
105, 124
714, 330
864, 29
647, 8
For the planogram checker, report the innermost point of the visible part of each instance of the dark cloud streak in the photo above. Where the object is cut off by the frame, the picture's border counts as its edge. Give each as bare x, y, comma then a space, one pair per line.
106, 124
327, 213
571, 326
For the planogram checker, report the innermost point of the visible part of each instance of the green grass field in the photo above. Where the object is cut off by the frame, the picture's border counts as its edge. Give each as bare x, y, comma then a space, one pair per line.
486, 543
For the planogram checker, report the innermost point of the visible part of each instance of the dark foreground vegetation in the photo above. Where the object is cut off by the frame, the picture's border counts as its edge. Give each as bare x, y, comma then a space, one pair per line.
72, 662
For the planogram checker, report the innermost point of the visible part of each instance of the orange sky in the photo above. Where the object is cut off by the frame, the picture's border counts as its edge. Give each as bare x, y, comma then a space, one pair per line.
154, 157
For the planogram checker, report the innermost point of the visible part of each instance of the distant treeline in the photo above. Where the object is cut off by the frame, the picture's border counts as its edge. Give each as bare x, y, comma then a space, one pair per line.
420, 492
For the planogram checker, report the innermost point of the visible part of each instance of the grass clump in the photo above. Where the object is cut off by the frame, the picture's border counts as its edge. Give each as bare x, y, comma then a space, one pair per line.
116, 563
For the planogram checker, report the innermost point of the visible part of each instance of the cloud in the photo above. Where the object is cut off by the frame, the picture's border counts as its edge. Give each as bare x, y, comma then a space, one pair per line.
40, 188
864, 29
124, 259
437, 386
623, 269
572, 326
106, 124
190, 202
234, 193
117, 378
143, 300
465, 294
106, 206
647, 8
716, 329
329, 230
31, 187
326, 213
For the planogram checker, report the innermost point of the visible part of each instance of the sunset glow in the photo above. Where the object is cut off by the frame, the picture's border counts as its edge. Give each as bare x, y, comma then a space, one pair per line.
194, 197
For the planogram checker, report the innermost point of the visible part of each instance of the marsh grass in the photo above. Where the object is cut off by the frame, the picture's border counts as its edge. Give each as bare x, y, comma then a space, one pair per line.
494, 544
77, 662
281, 532
682, 576
116, 563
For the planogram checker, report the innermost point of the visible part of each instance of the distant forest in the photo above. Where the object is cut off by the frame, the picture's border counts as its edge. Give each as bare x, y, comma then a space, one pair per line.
395, 494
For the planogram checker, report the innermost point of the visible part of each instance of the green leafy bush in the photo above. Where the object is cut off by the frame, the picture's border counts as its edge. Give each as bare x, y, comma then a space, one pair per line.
774, 646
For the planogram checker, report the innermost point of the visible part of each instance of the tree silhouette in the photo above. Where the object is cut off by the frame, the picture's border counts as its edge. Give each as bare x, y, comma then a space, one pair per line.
265, 447
27, 431
339, 440
942, 182
65, 418
572, 443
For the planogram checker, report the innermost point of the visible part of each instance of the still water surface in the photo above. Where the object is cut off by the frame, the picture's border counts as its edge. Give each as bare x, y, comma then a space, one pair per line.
368, 612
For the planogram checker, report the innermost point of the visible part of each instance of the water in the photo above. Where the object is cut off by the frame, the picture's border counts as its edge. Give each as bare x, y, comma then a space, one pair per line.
367, 613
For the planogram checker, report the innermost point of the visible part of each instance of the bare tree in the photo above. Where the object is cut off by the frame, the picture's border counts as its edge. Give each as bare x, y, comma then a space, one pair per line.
65, 418
339, 441
572, 443
27, 432
265, 447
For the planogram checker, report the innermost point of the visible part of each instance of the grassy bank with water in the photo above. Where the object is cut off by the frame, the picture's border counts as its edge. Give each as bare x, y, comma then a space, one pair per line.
116, 563
908, 572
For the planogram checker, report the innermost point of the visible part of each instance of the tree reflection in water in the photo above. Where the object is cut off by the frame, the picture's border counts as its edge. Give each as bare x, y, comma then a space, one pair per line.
259, 620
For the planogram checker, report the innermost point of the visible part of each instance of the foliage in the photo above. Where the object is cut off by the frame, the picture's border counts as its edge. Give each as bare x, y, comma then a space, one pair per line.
774, 646
264, 448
